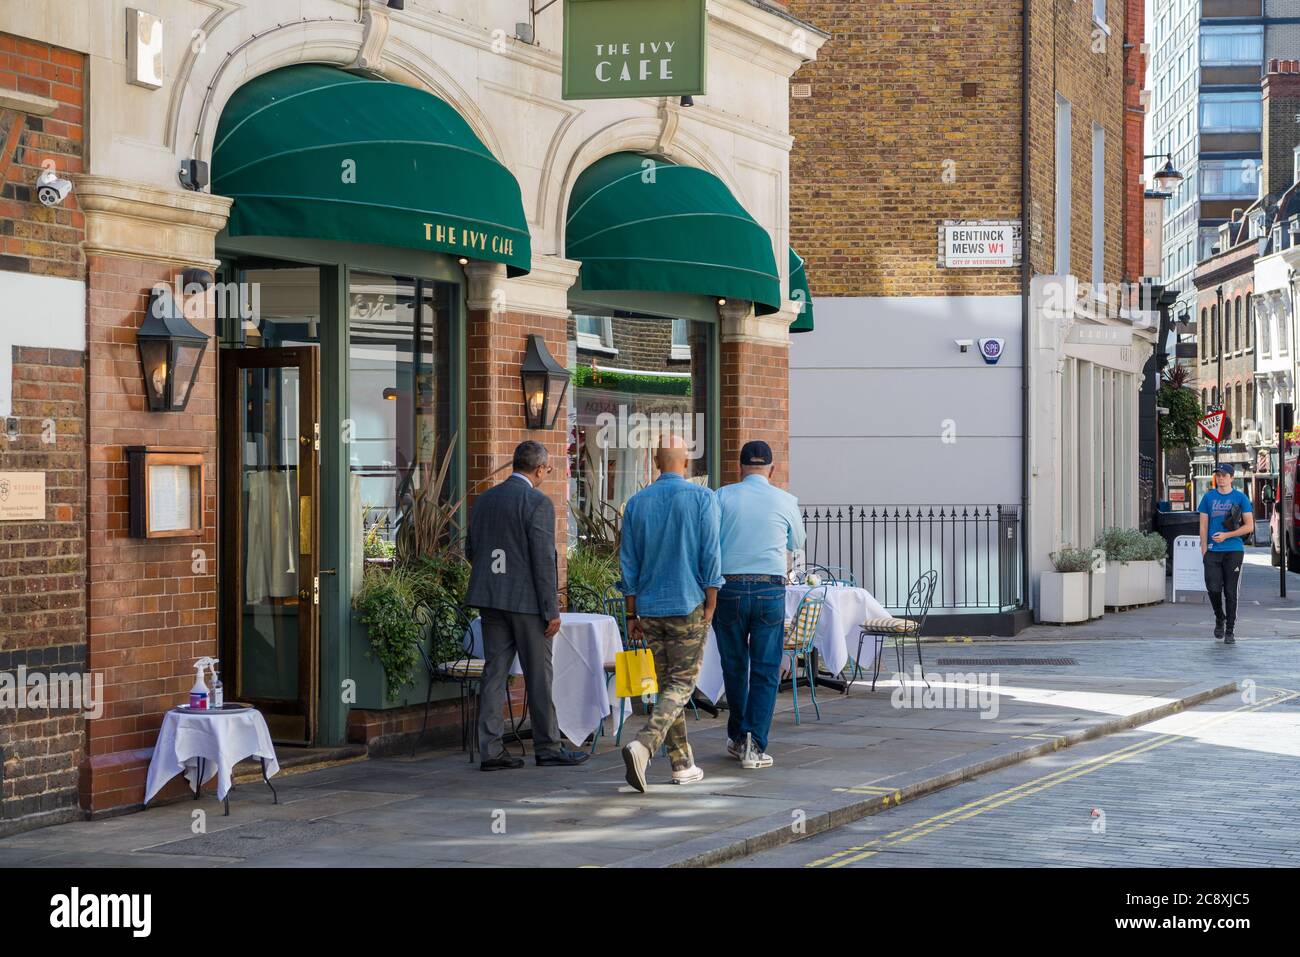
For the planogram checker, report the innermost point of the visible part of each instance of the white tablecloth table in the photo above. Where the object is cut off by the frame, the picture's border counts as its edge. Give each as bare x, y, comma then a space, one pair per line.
840, 623
578, 655
221, 738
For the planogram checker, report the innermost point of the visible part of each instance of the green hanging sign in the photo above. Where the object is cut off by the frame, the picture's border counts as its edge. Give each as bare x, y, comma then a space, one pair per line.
631, 48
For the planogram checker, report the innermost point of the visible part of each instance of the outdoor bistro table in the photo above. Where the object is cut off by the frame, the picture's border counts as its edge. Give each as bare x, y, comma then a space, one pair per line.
579, 652
207, 744
840, 624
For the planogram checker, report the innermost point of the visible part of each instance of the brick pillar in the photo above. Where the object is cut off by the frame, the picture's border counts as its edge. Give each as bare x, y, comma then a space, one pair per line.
502, 314
152, 603
755, 387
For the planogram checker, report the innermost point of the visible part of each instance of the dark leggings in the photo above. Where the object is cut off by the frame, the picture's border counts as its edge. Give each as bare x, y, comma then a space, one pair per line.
1222, 579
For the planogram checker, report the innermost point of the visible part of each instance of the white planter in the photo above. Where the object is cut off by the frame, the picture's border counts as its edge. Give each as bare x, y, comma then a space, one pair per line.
1134, 583
1098, 589
1063, 597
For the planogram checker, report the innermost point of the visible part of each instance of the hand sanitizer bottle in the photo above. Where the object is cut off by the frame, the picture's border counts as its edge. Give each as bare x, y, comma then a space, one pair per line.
199, 693
218, 692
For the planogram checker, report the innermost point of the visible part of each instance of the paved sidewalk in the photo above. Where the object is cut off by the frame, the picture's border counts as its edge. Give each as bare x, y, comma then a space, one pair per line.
864, 755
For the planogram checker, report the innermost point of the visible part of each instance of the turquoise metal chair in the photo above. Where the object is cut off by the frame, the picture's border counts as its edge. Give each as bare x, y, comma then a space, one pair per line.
799, 637
616, 607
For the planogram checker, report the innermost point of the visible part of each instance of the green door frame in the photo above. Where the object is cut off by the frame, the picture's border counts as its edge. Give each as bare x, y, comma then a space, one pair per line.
334, 261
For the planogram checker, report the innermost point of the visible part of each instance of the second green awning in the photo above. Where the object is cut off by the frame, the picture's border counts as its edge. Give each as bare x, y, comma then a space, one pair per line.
801, 294
314, 151
637, 223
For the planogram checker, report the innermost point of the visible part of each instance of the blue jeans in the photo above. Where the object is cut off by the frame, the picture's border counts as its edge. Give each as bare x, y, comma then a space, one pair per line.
750, 627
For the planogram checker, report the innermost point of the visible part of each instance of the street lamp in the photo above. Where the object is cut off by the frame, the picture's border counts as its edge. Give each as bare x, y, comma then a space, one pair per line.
545, 384
171, 352
1167, 177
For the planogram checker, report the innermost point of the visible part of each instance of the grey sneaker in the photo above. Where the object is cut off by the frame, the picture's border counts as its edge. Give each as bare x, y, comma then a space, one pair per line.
752, 758
636, 759
735, 748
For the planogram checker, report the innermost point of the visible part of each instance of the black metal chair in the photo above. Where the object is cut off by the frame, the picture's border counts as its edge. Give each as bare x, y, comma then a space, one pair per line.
912, 622
448, 624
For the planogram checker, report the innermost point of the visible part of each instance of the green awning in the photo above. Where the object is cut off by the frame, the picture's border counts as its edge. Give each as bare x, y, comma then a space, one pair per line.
801, 294
313, 151
640, 223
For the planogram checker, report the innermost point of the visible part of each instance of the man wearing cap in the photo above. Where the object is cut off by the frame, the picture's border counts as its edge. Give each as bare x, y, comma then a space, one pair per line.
1227, 517
760, 524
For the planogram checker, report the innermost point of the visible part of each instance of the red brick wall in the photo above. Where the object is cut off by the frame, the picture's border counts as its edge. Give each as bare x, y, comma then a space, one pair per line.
494, 406
151, 612
42, 564
34, 238
42, 582
755, 405
1134, 120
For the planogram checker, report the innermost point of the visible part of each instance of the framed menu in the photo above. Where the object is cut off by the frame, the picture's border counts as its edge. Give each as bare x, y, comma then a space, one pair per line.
166, 489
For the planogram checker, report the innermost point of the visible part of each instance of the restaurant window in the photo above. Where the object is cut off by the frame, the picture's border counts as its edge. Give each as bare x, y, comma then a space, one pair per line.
657, 380
400, 402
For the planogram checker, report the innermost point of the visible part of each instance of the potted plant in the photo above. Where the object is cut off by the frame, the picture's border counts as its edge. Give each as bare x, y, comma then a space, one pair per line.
1134, 559
1063, 593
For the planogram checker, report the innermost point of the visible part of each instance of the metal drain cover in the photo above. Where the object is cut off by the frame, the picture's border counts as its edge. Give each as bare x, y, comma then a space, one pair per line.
1006, 662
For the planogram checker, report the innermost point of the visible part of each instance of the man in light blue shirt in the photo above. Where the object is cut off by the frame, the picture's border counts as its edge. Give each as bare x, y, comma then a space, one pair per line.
671, 571
760, 524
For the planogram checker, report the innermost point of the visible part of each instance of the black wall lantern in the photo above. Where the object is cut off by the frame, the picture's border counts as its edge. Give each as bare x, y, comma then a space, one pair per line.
545, 384
171, 352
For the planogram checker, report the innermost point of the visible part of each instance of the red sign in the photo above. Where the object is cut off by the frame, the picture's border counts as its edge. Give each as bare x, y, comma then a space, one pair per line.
1212, 425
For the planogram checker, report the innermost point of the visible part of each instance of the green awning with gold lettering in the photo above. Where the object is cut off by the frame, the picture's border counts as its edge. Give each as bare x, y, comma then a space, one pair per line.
800, 294
638, 223
316, 152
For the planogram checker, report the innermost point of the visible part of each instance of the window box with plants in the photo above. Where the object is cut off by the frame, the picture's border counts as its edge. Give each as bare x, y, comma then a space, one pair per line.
1135, 567
1063, 593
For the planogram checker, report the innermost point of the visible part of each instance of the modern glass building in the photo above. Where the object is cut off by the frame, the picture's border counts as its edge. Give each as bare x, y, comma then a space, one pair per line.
1207, 59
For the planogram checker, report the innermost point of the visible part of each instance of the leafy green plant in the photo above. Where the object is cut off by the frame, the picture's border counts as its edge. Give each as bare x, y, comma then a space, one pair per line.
1071, 559
592, 570
374, 545
1178, 429
1155, 548
386, 605
1131, 545
637, 382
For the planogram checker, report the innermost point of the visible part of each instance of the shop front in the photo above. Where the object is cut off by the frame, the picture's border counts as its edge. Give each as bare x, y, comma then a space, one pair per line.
392, 214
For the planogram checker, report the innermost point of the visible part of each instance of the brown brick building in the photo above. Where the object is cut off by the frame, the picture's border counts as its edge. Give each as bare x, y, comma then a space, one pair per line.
921, 116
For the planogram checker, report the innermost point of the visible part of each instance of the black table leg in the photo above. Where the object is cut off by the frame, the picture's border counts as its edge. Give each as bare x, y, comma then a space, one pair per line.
826, 681
198, 778
275, 798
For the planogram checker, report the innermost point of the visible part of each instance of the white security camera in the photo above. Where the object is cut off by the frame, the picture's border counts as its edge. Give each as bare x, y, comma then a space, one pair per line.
51, 190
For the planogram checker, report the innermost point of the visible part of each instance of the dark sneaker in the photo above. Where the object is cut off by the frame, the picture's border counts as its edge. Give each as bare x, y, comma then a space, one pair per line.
562, 758
1228, 639
1218, 629
502, 762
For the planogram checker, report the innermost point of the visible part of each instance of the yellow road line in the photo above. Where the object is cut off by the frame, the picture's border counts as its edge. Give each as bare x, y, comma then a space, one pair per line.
989, 802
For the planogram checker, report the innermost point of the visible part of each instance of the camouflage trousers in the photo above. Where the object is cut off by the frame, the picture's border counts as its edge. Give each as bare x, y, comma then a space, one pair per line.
677, 644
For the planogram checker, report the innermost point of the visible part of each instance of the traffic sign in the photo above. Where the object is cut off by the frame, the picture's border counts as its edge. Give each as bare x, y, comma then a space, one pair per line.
1214, 425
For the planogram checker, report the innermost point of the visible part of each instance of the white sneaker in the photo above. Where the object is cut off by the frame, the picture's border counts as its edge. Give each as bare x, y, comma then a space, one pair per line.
690, 774
752, 758
636, 758
735, 748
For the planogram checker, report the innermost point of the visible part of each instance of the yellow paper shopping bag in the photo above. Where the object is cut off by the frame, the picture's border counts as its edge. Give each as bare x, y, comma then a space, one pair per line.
634, 674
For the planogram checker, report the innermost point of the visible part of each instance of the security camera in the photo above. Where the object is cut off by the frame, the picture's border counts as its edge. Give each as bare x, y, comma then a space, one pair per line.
964, 344
51, 190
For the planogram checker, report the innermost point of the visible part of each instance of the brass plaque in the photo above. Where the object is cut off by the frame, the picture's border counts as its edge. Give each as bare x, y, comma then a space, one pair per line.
22, 496
304, 525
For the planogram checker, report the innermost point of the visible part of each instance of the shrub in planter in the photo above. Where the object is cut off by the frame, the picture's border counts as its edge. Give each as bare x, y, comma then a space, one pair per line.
1063, 594
1135, 558
386, 606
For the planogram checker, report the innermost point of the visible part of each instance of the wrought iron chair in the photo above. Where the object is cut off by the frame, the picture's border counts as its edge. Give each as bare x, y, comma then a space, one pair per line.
919, 600
616, 607
827, 574
448, 624
799, 637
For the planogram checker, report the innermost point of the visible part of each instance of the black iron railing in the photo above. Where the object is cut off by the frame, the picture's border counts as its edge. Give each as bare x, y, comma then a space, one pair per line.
974, 548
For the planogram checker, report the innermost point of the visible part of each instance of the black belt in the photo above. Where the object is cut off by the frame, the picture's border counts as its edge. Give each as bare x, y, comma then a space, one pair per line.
764, 579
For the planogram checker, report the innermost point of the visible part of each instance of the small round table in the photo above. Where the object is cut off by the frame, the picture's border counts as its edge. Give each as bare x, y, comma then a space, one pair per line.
208, 743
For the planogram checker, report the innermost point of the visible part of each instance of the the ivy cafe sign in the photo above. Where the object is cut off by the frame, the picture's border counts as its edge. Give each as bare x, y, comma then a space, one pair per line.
630, 48
462, 239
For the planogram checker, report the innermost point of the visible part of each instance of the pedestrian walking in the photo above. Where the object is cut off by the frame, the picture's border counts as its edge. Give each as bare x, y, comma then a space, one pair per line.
1227, 517
514, 583
760, 526
671, 571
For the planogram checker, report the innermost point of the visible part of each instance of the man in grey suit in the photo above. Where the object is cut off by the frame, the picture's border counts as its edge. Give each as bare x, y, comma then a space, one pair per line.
514, 584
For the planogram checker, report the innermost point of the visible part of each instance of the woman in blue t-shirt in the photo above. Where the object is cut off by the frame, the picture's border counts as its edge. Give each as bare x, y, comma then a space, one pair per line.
1226, 519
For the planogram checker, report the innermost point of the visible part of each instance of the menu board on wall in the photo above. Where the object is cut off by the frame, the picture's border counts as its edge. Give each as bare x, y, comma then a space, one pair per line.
169, 497
166, 491
22, 496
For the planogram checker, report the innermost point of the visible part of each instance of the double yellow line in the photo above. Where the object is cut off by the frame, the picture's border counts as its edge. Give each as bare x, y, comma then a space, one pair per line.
912, 832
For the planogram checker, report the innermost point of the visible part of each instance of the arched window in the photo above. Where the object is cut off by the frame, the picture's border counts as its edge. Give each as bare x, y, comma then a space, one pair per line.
1205, 399
1214, 330
1236, 323
1250, 319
